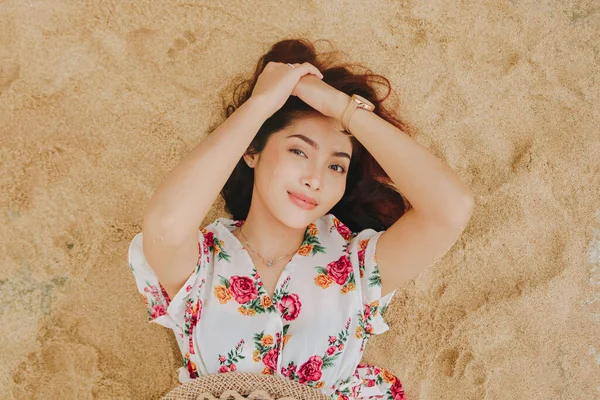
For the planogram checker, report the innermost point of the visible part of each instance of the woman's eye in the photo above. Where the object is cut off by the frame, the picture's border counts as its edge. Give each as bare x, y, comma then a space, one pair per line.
295, 150
341, 169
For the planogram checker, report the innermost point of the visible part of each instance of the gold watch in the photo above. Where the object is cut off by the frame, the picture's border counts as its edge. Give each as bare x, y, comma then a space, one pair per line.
355, 102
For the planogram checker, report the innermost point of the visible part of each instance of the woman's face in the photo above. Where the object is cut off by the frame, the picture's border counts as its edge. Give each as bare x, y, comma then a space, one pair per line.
315, 166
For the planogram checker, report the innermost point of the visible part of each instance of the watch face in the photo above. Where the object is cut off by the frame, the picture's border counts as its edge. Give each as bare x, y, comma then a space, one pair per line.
365, 101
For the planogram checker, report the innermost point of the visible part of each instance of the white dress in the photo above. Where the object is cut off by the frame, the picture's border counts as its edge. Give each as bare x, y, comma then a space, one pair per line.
326, 305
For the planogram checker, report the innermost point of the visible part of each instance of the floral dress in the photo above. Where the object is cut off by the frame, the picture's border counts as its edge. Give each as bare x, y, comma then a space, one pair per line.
326, 305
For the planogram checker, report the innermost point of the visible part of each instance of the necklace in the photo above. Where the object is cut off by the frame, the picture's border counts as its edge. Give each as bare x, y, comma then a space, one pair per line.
271, 262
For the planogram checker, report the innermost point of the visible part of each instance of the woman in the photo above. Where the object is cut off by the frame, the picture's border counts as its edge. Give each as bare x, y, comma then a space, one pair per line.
294, 284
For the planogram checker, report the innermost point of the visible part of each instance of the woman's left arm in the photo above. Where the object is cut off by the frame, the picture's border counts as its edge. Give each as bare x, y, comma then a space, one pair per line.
431, 187
442, 203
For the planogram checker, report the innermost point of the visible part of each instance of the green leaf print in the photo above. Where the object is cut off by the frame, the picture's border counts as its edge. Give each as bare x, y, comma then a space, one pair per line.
329, 361
224, 281
322, 270
351, 278
314, 241
375, 279
221, 255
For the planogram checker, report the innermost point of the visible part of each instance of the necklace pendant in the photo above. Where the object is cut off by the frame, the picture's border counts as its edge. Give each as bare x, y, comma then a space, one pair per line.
270, 263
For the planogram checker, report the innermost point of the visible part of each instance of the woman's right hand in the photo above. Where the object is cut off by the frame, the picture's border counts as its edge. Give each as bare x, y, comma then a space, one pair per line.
277, 81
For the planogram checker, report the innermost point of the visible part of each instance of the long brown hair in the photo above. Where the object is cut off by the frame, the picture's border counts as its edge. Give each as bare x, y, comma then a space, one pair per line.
370, 199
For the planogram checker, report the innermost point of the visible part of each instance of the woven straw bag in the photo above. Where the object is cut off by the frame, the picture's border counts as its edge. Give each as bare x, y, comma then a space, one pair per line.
244, 385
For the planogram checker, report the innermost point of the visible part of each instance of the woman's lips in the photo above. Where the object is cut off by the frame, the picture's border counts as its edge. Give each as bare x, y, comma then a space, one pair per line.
301, 203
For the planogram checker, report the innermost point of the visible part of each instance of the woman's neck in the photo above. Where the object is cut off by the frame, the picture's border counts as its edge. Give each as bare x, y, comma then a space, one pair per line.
269, 237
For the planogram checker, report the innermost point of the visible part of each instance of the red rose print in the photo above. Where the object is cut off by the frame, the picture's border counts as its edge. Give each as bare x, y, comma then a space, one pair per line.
232, 367
196, 312
242, 288
191, 346
343, 230
376, 370
367, 310
332, 339
331, 350
222, 359
164, 293
397, 391
339, 270
311, 370
192, 369
341, 347
158, 310
289, 306
209, 241
370, 382
361, 256
223, 369
292, 368
270, 359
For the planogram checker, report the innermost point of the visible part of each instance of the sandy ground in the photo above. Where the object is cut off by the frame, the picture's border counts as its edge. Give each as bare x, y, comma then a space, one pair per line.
100, 99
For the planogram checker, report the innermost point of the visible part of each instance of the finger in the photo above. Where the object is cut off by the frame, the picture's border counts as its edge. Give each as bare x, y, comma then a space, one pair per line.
312, 69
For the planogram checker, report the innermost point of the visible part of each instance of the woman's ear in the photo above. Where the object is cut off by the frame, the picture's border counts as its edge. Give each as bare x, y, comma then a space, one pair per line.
250, 160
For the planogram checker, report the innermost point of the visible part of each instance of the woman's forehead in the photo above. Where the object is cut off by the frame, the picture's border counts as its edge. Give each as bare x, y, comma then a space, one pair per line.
320, 130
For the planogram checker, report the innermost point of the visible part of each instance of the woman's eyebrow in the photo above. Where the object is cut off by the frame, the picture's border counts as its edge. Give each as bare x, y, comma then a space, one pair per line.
316, 145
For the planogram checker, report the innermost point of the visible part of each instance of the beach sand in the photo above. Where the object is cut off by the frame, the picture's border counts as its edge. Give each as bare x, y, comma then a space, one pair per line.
100, 100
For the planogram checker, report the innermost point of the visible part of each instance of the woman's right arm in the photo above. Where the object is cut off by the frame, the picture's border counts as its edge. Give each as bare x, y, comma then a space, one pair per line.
182, 200
180, 203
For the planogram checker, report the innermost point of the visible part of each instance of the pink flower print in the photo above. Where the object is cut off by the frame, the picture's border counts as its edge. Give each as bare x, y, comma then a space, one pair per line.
191, 346
222, 359
311, 370
376, 370
370, 382
158, 310
343, 230
188, 288
397, 391
367, 310
361, 257
341, 346
270, 359
332, 339
340, 269
232, 367
209, 241
242, 288
331, 350
164, 293
223, 369
289, 306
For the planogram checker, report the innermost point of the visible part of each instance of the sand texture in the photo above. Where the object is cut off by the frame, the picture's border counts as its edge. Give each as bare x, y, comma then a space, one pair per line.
99, 100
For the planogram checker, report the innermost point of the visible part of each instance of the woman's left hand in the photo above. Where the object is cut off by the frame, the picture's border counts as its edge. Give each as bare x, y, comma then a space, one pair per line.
318, 94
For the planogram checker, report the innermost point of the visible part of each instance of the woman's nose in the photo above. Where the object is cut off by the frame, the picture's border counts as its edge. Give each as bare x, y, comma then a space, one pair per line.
313, 179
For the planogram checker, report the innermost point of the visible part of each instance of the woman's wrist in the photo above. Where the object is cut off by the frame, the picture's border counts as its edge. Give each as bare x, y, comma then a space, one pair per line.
337, 104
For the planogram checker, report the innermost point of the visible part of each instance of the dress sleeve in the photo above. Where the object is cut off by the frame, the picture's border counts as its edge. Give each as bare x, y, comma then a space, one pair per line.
362, 250
186, 305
